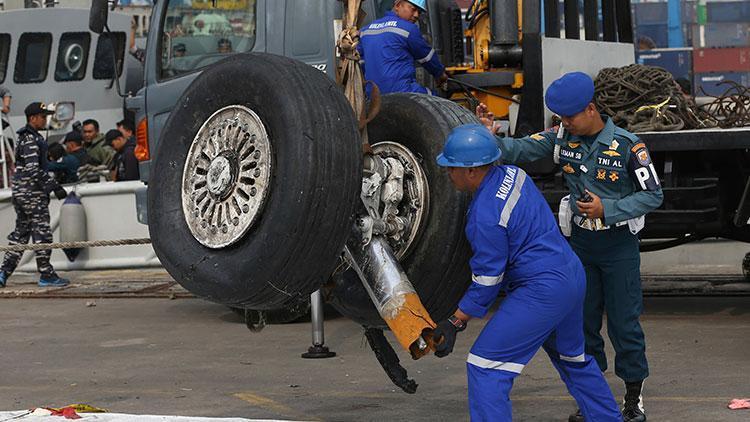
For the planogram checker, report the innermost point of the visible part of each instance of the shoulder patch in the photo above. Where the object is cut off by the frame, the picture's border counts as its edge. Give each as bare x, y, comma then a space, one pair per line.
643, 157
638, 146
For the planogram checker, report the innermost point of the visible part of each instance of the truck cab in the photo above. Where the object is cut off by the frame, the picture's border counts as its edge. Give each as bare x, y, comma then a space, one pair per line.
185, 40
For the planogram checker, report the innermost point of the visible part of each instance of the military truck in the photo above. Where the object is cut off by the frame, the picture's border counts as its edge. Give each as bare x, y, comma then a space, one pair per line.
255, 180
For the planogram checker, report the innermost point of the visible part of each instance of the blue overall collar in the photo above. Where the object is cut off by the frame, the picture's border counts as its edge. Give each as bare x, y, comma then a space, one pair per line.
486, 181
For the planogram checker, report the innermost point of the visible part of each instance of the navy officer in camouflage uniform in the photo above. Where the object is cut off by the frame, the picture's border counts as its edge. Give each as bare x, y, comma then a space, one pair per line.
32, 185
613, 184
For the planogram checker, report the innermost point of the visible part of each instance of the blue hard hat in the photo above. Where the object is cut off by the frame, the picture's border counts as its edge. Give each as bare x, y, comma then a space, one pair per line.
570, 94
421, 4
470, 145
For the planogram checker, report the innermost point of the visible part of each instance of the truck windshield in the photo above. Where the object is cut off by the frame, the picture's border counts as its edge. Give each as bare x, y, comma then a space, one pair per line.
196, 34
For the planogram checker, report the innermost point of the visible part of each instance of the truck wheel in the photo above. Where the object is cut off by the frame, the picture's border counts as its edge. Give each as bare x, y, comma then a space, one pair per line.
436, 256
253, 188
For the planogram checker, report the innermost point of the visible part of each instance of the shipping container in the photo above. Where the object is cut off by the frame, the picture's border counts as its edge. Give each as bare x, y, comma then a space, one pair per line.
656, 32
728, 11
656, 12
677, 61
709, 82
723, 35
728, 59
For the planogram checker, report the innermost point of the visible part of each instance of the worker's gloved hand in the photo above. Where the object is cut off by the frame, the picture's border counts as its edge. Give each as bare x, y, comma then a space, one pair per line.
444, 336
60, 193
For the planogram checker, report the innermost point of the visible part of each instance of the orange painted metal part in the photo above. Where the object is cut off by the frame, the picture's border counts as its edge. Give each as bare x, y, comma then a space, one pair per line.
410, 323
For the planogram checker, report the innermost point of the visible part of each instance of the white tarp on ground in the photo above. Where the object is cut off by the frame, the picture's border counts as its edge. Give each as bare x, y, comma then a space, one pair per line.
26, 416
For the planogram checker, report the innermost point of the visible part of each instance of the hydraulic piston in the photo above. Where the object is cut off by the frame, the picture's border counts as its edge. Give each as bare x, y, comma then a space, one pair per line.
393, 295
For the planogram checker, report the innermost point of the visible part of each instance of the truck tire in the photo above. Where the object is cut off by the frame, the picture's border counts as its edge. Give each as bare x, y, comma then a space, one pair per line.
269, 146
437, 265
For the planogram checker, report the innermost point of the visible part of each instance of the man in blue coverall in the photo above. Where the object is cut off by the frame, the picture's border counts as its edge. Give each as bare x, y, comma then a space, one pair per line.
390, 45
517, 248
613, 184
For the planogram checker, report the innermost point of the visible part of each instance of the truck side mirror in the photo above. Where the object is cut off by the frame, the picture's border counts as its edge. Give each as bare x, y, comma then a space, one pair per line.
98, 16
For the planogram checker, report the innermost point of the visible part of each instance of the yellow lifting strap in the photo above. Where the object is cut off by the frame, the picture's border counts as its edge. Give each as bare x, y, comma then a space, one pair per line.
410, 322
349, 72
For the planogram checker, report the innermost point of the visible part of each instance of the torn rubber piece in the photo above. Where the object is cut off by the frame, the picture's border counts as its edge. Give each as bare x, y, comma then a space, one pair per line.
389, 360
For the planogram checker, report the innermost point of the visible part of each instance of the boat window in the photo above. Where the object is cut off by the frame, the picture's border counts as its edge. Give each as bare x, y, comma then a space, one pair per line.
103, 61
198, 33
72, 56
32, 59
4, 49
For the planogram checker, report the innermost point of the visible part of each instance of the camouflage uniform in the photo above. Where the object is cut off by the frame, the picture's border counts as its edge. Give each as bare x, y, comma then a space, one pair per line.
31, 187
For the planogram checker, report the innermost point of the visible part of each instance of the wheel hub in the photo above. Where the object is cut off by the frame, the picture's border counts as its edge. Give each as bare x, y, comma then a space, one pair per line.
226, 177
414, 205
220, 179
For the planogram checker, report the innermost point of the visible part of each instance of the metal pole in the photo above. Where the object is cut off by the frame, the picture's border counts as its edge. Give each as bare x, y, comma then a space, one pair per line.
591, 19
318, 350
3, 164
551, 19
609, 21
572, 24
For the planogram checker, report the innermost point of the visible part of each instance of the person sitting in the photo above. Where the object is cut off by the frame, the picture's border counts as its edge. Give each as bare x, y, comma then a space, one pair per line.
95, 145
125, 165
179, 50
62, 164
74, 146
127, 128
224, 46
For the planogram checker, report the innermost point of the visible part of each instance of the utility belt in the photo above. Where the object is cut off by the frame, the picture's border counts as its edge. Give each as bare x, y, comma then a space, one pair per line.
594, 224
567, 218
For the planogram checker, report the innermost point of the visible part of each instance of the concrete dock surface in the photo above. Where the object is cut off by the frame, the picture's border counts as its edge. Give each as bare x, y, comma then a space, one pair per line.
190, 357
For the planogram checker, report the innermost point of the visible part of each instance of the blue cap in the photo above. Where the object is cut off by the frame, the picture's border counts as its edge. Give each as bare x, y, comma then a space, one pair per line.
420, 4
470, 145
570, 94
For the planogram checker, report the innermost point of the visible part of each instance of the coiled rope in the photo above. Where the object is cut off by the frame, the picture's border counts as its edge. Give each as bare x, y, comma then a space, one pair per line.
643, 98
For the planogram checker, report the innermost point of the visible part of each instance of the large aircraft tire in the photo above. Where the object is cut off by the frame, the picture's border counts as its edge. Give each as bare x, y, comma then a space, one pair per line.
437, 264
254, 182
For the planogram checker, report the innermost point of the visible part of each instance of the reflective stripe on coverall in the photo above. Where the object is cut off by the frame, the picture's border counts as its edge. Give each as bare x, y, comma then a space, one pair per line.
389, 47
518, 248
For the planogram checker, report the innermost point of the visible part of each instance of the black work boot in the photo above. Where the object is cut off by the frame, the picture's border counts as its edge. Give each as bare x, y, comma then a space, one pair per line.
633, 409
576, 417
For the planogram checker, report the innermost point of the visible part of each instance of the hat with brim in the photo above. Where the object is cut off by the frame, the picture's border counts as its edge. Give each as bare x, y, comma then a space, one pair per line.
419, 4
37, 108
